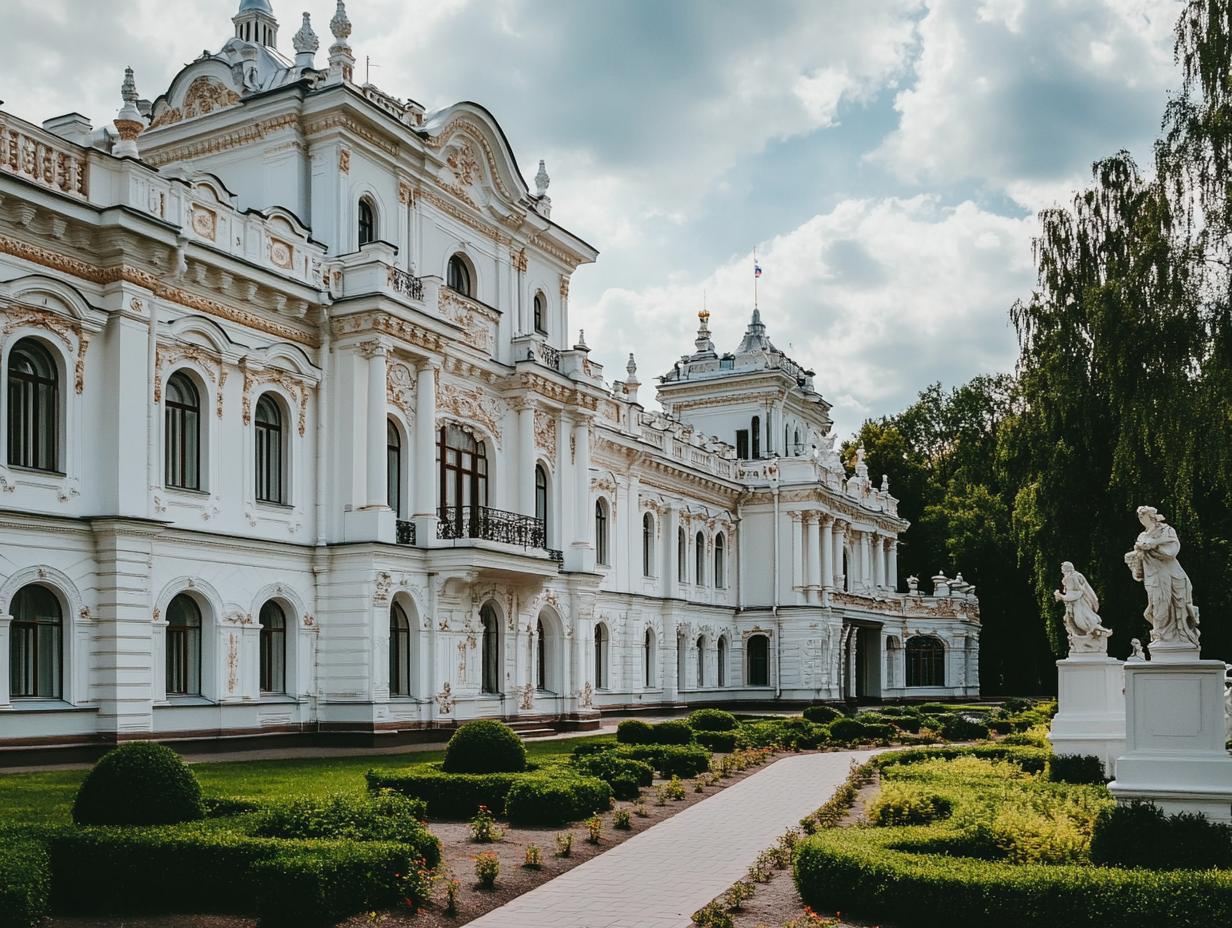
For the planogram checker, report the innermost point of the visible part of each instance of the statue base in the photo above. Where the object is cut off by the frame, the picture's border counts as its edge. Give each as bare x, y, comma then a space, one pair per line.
1091, 714
1175, 733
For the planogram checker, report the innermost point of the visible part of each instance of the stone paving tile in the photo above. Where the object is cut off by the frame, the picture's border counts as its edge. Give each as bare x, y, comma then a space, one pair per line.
658, 878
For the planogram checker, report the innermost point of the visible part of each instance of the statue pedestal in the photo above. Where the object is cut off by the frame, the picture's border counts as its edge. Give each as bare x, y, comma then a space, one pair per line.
1091, 714
1175, 732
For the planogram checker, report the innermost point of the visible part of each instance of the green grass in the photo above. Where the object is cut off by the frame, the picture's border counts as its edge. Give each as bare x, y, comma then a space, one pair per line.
47, 798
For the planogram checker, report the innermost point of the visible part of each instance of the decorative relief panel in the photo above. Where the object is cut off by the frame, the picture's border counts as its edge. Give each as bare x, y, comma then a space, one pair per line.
477, 328
545, 433
205, 222
203, 96
471, 405
210, 362
66, 330
289, 382
42, 161
400, 389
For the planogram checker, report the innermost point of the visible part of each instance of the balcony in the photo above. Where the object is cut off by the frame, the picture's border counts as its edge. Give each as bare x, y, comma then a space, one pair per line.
408, 285
404, 532
480, 522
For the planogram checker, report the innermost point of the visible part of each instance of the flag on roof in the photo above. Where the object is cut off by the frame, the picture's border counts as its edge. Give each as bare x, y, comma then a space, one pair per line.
756, 268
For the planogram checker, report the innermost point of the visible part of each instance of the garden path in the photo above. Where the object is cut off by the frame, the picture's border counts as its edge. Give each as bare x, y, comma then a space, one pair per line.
657, 879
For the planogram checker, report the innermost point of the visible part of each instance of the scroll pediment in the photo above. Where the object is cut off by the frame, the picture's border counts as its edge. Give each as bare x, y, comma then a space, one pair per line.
203, 95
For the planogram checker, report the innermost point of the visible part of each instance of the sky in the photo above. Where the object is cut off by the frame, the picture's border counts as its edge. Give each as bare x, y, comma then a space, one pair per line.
886, 159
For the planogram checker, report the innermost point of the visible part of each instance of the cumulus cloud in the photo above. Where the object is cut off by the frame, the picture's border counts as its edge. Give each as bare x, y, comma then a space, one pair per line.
1022, 96
879, 297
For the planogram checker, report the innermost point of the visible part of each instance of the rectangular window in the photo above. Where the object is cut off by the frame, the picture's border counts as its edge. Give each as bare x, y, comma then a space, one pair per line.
742, 444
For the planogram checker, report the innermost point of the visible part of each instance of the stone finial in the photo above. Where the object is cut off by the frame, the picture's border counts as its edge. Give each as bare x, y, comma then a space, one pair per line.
129, 122
941, 584
581, 342
542, 181
306, 44
631, 381
341, 60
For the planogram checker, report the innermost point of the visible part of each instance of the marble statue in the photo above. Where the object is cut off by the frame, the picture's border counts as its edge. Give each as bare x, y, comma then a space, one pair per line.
1227, 702
1170, 609
913, 585
1135, 651
1082, 625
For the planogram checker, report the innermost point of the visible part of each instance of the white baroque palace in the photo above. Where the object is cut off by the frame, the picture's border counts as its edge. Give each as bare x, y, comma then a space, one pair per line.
295, 440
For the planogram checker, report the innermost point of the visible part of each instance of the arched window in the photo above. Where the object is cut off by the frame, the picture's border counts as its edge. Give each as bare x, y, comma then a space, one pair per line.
601, 638
491, 650
601, 531
925, 661
797, 448
34, 407
681, 654
183, 647
458, 275
183, 433
756, 430
722, 659
758, 655
36, 644
393, 468
541, 313
720, 563
541, 656
648, 657
270, 483
399, 652
541, 497
463, 466
273, 648
648, 532
701, 661
367, 222
699, 559
682, 556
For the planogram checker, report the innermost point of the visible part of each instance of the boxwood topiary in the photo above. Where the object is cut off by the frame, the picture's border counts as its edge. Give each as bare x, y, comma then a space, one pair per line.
555, 798
722, 741
847, 730
964, 728
140, 783
674, 731
634, 731
484, 746
822, 715
25, 881
712, 720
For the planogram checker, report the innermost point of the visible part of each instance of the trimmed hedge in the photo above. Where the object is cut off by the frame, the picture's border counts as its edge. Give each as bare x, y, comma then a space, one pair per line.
794, 734
139, 783
624, 775
961, 728
387, 816
1031, 760
722, 741
554, 799
1141, 835
25, 881
673, 731
448, 795
681, 760
485, 746
1076, 768
713, 720
822, 715
194, 868
861, 872
634, 731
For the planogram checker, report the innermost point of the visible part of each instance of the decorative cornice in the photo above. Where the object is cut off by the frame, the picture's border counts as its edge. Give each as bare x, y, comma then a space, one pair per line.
218, 142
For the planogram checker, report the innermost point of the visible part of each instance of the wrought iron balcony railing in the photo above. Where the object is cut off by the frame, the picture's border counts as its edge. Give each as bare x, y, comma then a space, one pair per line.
405, 532
456, 522
408, 285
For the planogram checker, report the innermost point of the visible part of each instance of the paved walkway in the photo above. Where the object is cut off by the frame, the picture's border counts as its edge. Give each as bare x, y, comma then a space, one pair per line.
659, 878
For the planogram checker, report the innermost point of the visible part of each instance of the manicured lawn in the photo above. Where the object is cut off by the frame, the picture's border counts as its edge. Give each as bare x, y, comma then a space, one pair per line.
37, 798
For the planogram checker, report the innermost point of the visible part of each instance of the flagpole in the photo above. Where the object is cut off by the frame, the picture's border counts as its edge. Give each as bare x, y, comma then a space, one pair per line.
755, 278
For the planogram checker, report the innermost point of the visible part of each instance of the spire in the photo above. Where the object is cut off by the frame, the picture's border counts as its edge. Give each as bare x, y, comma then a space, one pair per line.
705, 347
755, 335
631, 381
306, 44
341, 60
129, 122
541, 190
255, 23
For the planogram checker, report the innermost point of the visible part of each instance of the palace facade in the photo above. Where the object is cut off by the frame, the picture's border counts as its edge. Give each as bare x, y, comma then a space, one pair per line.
296, 440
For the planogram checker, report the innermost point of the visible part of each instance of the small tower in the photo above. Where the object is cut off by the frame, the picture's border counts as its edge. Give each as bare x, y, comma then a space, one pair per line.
129, 122
255, 23
631, 381
541, 191
306, 44
341, 60
705, 347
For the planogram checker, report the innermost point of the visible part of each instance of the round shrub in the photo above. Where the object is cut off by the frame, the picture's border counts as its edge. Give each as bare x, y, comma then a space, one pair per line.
712, 720
675, 731
554, 799
140, 783
634, 731
484, 746
722, 741
847, 730
822, 715
879, 731
964, 728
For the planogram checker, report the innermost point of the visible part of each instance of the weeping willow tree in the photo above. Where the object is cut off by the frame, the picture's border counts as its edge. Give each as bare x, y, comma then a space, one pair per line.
1125, 351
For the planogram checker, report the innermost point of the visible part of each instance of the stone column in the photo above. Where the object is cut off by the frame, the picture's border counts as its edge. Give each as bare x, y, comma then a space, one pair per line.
892, 566
378, 490
526, 459
797, 550
6, 622
424, 476
813, 522
827, 553
878, 544
584, 550
842, 581
865, 566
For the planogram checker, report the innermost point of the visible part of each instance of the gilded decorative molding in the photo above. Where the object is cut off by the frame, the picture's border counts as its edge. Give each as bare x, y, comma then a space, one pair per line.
464, 164
545, 433
343, 121
296, 386
400, 389
564, 287
219, 142
43, 161
210, 361
344, 160
460, 124
406, 193
66, 330
519, 260
388, 325
154, 283
473, 319
204, 222
472, 406
203, 96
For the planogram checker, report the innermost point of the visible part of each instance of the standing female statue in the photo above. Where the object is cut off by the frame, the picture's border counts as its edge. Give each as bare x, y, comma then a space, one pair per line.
1170, 610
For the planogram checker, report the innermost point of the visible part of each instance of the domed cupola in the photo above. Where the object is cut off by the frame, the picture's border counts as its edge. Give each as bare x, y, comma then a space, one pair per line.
255, 23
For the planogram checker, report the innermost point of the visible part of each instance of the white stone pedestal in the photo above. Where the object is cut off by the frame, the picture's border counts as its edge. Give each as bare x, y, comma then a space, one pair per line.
1175, 732
1091, 714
